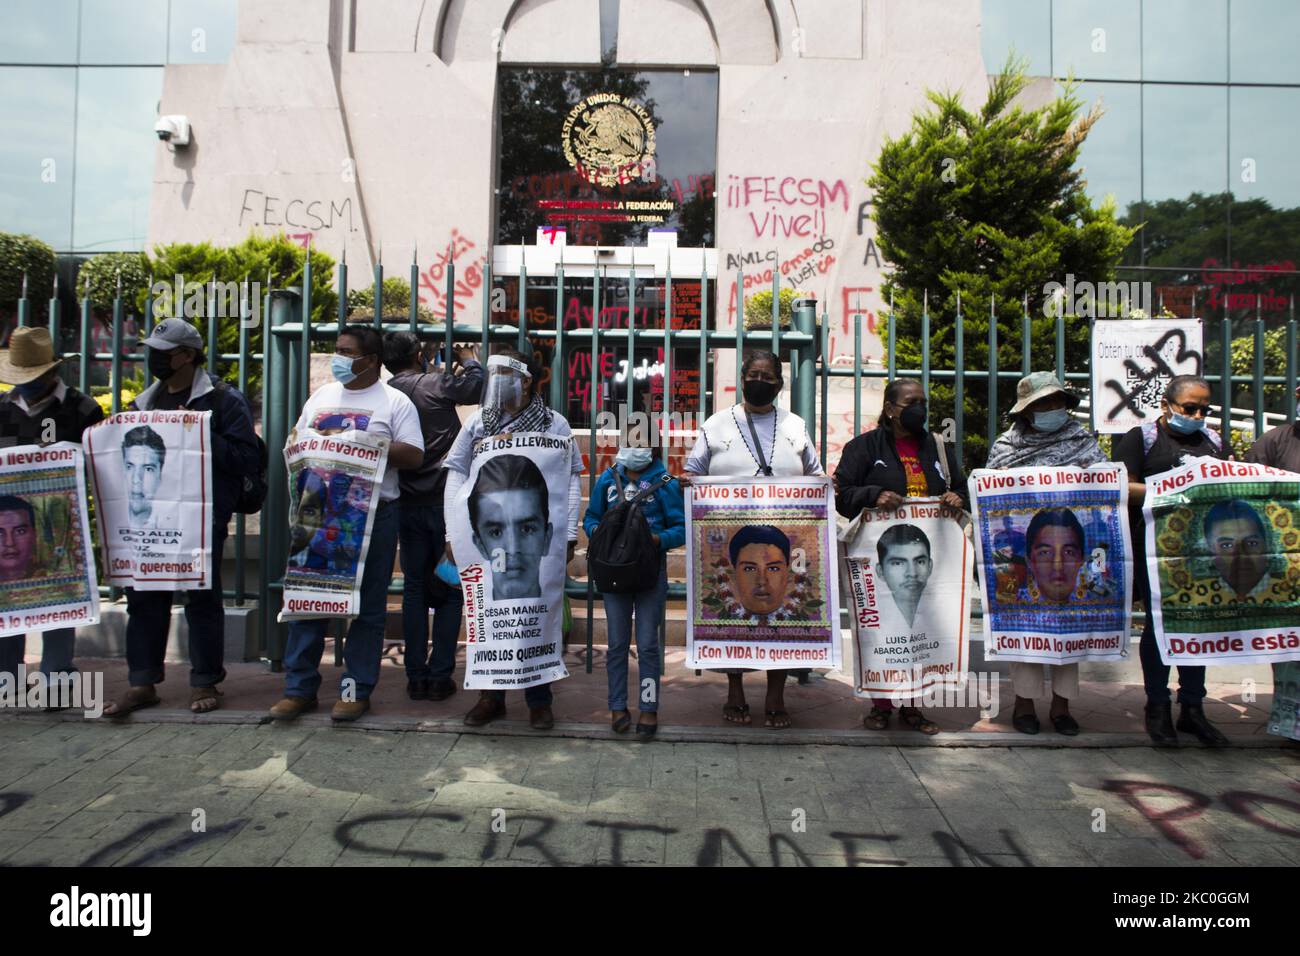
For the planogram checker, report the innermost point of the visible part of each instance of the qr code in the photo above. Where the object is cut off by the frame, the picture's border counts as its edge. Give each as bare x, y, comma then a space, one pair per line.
1146, 392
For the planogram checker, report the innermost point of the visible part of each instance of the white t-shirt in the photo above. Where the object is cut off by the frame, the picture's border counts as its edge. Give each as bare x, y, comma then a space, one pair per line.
379, 410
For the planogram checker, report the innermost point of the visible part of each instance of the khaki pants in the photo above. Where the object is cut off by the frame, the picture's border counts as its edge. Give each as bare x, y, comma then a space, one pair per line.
1027, 679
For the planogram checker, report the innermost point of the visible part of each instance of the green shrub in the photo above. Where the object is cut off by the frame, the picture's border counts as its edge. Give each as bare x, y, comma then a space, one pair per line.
98, 276
396, 302
21, 254
758, 308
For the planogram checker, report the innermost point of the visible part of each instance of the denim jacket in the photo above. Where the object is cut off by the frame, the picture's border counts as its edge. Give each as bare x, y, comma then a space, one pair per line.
665, 510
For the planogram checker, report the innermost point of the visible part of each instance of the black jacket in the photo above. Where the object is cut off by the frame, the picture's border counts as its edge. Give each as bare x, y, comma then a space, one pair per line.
435, 396
870, 465
235, 452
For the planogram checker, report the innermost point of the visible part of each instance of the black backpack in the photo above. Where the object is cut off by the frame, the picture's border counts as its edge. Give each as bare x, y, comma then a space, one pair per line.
252, 488
621, 556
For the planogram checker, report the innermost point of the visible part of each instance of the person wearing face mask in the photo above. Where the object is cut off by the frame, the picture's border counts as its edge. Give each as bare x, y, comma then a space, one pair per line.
175, 360
1177, 438
40, 397
357, 400
881, 468
634, 470
1043, 433
756, 437
512, 403
435, 392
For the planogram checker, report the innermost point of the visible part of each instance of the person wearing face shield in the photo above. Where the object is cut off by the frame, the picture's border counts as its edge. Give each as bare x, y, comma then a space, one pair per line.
755, 437
512, 404
880, 469
1042, 434
635, 469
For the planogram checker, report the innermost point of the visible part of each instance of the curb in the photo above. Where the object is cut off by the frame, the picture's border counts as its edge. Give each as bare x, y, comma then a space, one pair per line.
672, 734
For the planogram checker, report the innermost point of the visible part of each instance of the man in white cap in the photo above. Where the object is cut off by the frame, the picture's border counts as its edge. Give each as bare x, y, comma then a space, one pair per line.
176, 360
38, 410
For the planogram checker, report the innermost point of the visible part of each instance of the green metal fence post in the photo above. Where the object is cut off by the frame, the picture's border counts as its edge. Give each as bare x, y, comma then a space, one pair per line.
959, 376
83, 371
665, 423
1225, 374
242, 373
857, 375
993, 370
305, 358
115, 373
283, 303
214, 354
804, 320
377, 292
558, 378
1060, 349
1026, 337
1258, 385
776, 311
592, 402
631, 339
1291, 363
54, 324
523, 300
24, 306
414, 309
487, 309
925, 343
704, 340
825, 358
892, 353
740, 329
343, 289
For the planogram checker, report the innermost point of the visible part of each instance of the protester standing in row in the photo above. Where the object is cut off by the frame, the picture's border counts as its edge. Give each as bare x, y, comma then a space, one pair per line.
39, 410
755, 437
635, 470
435, 394
1177, 438
176, 360
512, 403
376, 408
1043, 433
882, 468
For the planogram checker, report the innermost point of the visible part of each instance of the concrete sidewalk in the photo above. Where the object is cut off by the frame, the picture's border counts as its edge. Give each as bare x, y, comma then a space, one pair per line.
824, 710
96, 793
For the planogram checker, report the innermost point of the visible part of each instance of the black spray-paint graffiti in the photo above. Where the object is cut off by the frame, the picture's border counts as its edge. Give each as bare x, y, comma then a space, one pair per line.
1143, 388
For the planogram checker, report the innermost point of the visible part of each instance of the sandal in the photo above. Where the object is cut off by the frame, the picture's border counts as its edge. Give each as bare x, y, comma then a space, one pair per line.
878, 719
204, 700
621, 723
774, 718
736, 713
137, 698
913, 717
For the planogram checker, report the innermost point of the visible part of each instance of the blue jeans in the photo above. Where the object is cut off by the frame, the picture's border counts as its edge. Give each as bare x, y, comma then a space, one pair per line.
423, 537
648, 604
364, 646
56, 651
148, 623
1155, 672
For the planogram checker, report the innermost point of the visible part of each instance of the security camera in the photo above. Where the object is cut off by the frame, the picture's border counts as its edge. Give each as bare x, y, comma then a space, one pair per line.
173, 129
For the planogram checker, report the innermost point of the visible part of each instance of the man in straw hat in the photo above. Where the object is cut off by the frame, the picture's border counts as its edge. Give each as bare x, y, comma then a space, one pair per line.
176, 359
38, 410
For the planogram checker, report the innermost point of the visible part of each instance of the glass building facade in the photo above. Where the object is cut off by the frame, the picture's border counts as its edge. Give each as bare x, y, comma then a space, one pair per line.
80, 82
1198, 142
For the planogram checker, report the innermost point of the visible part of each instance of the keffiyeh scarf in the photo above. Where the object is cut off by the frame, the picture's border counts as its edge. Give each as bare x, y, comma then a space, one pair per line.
535, 417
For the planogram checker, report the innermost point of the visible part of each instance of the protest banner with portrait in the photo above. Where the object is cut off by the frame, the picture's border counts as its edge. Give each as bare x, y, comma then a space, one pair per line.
1223, 557
1055, 562
907, 582
47, 563
1132, 362
1284, 719
334, 483
509, 532
763, 588
152, 474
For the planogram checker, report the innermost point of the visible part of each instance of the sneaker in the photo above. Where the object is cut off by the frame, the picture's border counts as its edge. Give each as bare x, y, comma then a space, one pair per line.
485, 711
349, 709
292, 707
440, 688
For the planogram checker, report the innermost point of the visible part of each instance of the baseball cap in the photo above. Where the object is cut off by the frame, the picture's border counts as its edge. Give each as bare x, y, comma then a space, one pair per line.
171, 333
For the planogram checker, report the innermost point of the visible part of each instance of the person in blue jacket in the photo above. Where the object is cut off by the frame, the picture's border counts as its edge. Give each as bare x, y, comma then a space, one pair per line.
636, 469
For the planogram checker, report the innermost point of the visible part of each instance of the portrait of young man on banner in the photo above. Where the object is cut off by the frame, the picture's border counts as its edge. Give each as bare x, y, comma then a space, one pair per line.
1055, 562
508, 535
47, 566
763, 582
1223, 547
152, 476
907, 577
